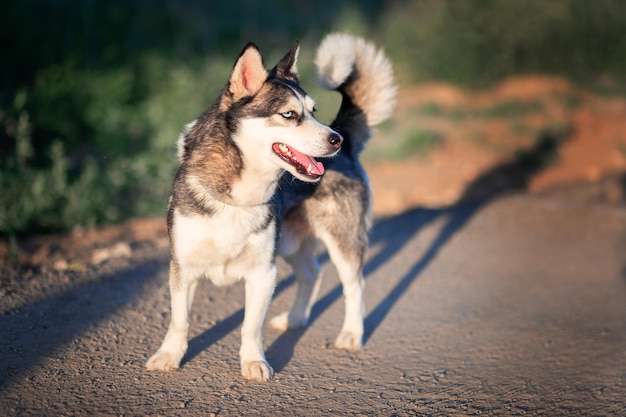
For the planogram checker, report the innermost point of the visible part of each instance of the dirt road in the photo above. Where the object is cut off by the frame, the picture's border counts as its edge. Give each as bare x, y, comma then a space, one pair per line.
513, 306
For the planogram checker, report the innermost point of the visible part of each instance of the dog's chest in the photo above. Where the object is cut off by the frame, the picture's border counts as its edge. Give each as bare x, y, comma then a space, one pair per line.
224, 246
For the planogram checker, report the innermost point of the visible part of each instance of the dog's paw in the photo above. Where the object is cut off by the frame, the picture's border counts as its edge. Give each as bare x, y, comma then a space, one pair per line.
163, 361
349, 340
257, 370
285, 321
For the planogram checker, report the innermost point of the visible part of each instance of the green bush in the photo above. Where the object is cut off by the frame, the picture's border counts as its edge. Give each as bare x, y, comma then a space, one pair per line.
94, 94
117, 161
44, 198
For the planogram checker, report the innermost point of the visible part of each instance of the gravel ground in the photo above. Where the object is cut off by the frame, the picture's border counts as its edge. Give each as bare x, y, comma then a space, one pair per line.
514, 306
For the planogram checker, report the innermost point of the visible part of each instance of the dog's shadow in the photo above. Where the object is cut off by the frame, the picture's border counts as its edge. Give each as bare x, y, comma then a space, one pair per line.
393, 233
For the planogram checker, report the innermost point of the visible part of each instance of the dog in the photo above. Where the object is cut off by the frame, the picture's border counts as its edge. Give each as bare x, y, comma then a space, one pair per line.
250, 187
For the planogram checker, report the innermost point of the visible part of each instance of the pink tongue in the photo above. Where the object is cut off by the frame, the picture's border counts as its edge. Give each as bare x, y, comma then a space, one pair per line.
312, 166
315, 167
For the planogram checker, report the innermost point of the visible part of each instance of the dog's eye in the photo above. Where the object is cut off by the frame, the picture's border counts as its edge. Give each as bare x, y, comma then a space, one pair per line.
314, 109
287, 114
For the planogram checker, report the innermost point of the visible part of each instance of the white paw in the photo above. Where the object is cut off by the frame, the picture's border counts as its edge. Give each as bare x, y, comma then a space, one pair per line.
284, 322
349, 340
163, 361
256, 370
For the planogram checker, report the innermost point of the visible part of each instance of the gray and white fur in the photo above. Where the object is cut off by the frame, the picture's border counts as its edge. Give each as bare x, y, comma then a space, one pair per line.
249, 187
337, 210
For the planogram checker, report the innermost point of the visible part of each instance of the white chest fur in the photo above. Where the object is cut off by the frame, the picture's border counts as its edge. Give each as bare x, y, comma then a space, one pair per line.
225, 245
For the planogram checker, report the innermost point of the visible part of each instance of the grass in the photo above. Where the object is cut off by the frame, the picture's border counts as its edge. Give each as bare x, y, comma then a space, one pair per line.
431, 109
401, 144
416, 142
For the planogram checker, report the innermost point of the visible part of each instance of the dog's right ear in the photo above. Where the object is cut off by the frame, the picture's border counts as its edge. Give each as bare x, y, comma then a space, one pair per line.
249, 73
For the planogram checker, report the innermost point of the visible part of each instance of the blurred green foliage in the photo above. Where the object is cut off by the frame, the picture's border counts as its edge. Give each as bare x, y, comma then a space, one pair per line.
94, 93
476, 42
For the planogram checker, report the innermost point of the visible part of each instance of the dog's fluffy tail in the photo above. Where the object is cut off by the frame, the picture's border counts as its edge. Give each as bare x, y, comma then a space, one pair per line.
364, 76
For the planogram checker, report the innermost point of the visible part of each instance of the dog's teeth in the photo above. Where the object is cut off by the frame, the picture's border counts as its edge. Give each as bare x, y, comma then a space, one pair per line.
283, 148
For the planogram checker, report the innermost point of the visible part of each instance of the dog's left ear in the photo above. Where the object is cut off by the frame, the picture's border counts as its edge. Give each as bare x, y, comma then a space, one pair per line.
287, 66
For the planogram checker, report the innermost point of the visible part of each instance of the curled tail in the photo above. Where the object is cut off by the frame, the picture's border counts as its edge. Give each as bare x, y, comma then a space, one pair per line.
364, 76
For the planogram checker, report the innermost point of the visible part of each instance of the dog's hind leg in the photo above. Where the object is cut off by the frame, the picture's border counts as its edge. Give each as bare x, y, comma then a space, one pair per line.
174, 346
307, 271
349, 264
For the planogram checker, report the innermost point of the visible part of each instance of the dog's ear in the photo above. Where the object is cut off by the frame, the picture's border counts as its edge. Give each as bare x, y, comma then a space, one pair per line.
287, 66
249, 73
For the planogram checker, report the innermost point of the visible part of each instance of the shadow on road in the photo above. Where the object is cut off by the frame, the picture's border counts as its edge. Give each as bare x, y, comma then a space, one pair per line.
507, 178
222, 328
34, 332
395, 232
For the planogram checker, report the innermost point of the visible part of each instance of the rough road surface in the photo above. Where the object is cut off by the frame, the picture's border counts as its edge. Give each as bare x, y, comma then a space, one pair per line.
511, 306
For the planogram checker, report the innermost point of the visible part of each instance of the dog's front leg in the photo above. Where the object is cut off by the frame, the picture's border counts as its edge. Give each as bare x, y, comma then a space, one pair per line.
174, 346
259, 290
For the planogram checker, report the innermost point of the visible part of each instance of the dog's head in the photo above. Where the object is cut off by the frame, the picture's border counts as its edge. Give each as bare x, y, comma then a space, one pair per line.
272, 117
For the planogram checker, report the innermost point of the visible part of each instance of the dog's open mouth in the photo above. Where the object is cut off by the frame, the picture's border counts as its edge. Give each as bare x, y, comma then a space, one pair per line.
304, 164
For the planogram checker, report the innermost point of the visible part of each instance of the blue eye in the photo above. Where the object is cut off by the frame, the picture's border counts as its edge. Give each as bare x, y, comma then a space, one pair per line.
287, 114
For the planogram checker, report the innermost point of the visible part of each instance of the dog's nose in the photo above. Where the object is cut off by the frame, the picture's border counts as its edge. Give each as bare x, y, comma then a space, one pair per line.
335, 139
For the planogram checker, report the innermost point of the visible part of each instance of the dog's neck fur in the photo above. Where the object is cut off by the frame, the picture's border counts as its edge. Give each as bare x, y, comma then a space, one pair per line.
252, 189
224, 173
253, 185
257, 184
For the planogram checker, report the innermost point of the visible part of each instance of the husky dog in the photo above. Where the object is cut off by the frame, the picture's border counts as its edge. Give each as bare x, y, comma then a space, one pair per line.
249, 188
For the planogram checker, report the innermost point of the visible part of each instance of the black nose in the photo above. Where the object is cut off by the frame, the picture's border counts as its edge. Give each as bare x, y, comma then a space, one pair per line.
335, 139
